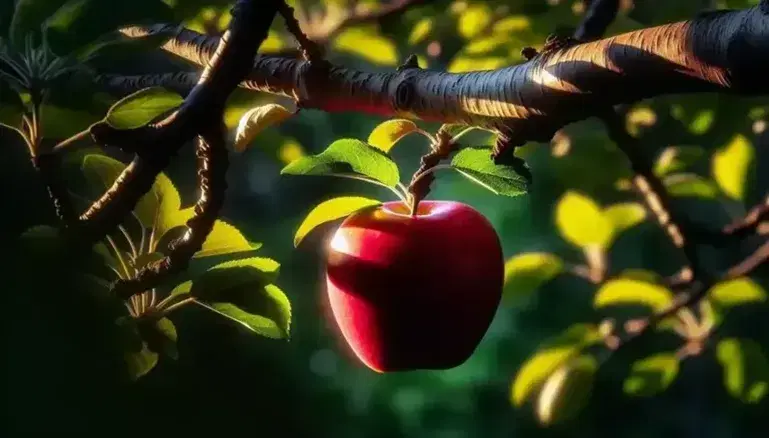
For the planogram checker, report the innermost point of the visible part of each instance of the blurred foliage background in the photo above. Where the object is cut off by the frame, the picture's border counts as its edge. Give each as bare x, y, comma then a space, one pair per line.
63, 373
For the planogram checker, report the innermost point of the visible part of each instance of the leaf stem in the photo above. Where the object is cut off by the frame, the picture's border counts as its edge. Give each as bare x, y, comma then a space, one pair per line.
430, 170
176, 305
67, 142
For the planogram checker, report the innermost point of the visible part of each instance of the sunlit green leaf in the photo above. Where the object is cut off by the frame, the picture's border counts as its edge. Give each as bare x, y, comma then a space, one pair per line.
331, 210
348, 156
626, 291
215, 283
651, 375
477, 165
366, 43
256, 120
625, 215
142, 107
462, 64
526, 272
386, 134
159, 206
677, 158
690, 185
736, 292
537, 369
581, 221
746, 369
731, 164
272, 326
567, 390
420, 30
473, 20
223, 238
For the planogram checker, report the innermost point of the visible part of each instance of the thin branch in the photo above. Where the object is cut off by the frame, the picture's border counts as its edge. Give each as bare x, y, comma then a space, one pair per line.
598, 17
211, 152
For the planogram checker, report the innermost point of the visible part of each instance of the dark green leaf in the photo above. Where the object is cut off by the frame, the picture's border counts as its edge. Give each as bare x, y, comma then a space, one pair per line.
140, 363
273, 321
691, 185
11, 105
28, 19
651, 375
112, 49
746, 369
142, 107
160, 337
348, 156
235, 281
82, 22
477, 165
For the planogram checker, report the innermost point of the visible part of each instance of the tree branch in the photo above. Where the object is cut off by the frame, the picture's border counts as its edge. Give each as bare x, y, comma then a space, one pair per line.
226, 66
723, 51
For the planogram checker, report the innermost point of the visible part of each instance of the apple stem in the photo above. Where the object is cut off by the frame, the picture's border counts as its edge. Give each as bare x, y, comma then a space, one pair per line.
440, 149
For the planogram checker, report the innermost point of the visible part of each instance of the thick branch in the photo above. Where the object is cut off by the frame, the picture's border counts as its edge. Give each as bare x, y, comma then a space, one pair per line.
722, 51
228, 64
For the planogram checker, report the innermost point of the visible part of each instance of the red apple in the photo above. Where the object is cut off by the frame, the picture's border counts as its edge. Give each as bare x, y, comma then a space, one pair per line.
417, 292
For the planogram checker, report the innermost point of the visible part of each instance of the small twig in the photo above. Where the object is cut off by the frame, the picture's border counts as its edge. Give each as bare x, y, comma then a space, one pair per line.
751, 222
310, 50
419, 187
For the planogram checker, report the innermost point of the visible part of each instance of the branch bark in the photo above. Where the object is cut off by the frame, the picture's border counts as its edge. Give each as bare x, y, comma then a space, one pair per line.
722, 51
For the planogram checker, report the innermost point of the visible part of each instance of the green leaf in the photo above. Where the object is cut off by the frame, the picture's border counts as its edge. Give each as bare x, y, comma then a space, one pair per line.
581, 221
43, 241
746, 369
368, 44
420, 30
566, 392
730, 166
81, 22
223, 238
256, 120
477, 165
537, 369
388, 133
346, 156
473, 20
625, 215
627, 291
331, 210
651, 375
526, 272
160, 205
140, 363
737, 292
11, 105
275, 327
28, 18
216, 283
690, 185
677, 158
142, 107
160, 336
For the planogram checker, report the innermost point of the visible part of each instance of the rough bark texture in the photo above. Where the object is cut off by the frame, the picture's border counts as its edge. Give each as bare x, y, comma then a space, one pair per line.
718, 51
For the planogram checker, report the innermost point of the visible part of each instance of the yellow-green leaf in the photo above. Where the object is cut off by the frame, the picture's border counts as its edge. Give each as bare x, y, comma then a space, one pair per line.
651, 375
581, 221
537, 369
225, 239
255, 121
386, 134
746, 369
626, 291
736, 292
677, 158
625, 215
366, 43
477, 165
730, 166
567, 390
276, 323
140, 363
331, 210
140, 108
526, 272
420, 30
690, 185
473, 20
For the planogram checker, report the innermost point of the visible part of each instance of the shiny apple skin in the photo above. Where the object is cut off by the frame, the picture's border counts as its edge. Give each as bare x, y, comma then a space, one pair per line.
412, 293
